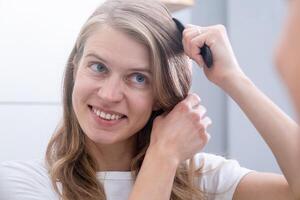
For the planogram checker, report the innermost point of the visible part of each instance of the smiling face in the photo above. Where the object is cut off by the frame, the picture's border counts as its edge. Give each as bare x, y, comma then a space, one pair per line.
112, 96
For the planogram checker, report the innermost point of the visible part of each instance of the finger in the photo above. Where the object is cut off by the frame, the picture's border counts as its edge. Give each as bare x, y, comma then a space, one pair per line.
192, 100
195, 47
208, 136
205, 137
189, 103
196, 56
188, 36
187, 30
206, 37
206, 121
201, 110
200, 29
189, 26
195, 29
186, 105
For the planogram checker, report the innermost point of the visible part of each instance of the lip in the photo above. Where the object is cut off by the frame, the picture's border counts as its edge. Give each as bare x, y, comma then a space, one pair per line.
106, 123
106, 111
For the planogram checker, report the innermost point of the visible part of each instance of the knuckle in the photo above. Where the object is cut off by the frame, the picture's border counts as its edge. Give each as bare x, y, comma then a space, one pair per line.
221, 27
203, 110
219, 30
183, 107
185, 32
193, 41
195, 117
206, 121
190, 40
194, 95
200, 128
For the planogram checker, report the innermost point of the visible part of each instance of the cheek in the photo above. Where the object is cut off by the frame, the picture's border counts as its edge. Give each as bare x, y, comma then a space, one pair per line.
141, 103
82, 89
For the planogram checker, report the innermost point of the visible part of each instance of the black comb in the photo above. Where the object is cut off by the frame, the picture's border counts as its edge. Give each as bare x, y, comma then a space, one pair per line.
204, 51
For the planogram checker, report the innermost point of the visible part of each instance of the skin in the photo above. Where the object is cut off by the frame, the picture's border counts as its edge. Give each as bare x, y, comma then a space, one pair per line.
267, 118
287, 57
188, 117
116, 89
287, 60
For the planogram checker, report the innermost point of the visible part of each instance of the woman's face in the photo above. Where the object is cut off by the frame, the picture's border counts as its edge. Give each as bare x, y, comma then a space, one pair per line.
112, 97
288, 52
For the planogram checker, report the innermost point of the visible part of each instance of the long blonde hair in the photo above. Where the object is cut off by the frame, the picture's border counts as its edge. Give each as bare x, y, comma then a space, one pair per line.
150, 23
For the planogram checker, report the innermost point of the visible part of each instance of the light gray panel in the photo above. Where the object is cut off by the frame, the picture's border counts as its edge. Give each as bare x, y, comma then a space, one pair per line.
205, 13
26, 130
254, 27
36, 39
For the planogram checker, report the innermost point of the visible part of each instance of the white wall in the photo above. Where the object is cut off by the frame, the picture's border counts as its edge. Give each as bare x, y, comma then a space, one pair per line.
35, 40
206, 13
254, 27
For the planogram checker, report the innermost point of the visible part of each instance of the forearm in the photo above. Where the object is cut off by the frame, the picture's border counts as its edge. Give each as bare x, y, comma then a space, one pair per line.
156, 177
279, 131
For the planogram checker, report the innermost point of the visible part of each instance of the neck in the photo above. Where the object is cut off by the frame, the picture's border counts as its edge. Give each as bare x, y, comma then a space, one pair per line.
113, 157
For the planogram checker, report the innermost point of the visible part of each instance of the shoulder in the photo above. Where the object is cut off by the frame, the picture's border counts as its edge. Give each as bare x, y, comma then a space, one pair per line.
219, 176
24, 180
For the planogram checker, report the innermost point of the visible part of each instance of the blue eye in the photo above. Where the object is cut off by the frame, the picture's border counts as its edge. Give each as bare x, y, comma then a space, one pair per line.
139, 78
97, 67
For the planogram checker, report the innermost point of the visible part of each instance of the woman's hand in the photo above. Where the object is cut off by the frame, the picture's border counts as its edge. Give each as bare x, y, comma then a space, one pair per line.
225, 65
181, 134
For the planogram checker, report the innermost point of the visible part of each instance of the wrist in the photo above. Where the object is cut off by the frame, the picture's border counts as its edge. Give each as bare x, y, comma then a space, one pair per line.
234, 82
162, 156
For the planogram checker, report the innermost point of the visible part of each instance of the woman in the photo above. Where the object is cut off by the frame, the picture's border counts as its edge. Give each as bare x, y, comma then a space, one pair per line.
130, 129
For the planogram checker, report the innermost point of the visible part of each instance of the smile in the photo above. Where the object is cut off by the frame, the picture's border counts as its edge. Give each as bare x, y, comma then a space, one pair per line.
105, 115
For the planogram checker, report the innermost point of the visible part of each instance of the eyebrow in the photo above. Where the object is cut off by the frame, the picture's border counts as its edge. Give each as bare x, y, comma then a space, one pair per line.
131, 69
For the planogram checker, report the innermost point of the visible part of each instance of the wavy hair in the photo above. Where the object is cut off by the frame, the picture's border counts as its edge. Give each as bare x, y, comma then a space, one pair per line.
71, 168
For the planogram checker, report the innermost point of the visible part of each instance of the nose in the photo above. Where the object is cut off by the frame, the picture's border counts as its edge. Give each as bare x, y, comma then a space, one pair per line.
111, 90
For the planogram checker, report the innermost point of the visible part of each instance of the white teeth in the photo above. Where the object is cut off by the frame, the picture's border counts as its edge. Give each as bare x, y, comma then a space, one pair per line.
106, 116
102, 114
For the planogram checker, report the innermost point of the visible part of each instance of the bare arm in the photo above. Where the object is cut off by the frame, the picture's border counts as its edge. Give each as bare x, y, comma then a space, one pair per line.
263, 186
155, 179
277, 129
175, 138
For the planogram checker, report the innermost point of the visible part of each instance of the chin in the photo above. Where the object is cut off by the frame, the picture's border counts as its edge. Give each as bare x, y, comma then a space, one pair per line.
104, 138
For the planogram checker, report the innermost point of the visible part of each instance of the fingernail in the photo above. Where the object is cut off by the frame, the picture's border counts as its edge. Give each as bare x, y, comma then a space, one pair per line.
209, 121
208, 136
189, 25
203, 110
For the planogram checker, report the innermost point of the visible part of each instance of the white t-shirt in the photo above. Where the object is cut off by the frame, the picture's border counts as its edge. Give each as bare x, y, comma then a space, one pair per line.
29, 180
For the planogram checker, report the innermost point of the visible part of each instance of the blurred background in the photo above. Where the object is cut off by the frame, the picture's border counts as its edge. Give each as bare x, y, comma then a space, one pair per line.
36, 38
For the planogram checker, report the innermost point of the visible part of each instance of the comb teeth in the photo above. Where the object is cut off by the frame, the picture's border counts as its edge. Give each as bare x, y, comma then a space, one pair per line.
178, 24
